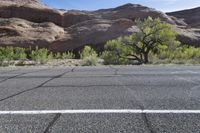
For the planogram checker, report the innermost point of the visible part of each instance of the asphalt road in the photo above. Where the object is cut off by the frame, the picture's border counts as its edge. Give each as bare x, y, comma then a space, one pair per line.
101, 88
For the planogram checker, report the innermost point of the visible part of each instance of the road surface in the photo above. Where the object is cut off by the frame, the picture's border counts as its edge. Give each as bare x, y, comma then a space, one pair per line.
104, 99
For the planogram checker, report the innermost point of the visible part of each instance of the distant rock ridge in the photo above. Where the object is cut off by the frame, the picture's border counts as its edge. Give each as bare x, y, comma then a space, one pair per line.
21, 1
190, 16
29, 23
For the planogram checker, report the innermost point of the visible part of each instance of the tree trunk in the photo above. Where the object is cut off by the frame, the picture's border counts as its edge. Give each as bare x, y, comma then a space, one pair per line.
146, 58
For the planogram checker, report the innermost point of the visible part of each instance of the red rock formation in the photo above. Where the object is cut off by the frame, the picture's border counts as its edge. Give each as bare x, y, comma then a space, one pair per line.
190, 16
28, 23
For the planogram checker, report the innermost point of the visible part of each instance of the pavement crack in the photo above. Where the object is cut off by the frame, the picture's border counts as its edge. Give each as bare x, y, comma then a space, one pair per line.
12, 77
18, 75
73, 69
52, 123
147, 123
27, 90
140, 105
7, 72
190, 91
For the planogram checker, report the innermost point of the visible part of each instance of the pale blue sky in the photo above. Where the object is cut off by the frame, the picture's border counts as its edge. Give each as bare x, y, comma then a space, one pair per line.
163, 5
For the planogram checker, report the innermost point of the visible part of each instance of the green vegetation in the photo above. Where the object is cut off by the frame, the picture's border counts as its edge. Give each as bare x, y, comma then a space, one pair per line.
89, 56
39, 55
152, 34
155, 40
154, 43
19, 54
179, 55
65, 55
7, 54
116, 52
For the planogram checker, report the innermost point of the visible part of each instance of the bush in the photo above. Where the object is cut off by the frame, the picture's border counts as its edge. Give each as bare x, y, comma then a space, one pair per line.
19, 54
181, 54
2, 55
58, 56
89, 56
116, 52
6, 55
87, 52
9, 53
39, 55
68, 55
90, 61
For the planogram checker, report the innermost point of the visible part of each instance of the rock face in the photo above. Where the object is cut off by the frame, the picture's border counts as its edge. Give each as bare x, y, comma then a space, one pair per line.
191, 16
94, 32
28, 23
190, 32
19, 32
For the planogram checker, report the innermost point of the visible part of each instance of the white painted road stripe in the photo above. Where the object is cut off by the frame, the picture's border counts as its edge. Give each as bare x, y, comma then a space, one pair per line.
104, 111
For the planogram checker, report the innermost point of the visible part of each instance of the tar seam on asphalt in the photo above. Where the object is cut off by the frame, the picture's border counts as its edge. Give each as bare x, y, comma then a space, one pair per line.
52, 123
148, 123
6, 72
16, 94
115, 70
84, 86
140, 104
189, 91
19, 75
192, 89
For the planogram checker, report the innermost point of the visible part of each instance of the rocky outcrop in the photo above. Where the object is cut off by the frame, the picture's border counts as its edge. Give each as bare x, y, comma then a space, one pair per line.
190, 36
191, 16
29, 10
132, 12
95, 31
189, 32
29, 23
19, 32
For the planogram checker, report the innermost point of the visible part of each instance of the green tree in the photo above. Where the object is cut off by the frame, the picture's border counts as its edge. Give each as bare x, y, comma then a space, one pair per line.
116, 52
152, 34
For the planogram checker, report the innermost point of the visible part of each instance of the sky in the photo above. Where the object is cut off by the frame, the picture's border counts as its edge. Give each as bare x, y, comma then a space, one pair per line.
162, 5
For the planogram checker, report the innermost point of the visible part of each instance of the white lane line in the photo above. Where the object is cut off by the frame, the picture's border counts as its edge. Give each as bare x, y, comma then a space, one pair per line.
104, 111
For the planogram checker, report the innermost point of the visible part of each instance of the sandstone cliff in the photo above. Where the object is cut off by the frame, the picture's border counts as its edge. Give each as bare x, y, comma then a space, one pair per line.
28, 23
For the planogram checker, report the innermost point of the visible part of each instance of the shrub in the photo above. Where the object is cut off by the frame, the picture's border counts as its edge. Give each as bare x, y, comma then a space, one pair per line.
65, 55
19, 54
2, 55
68, 55
8, 53
181, 54
90, 61
39, 55
88, 51
58, 56
50, 56
89, 56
